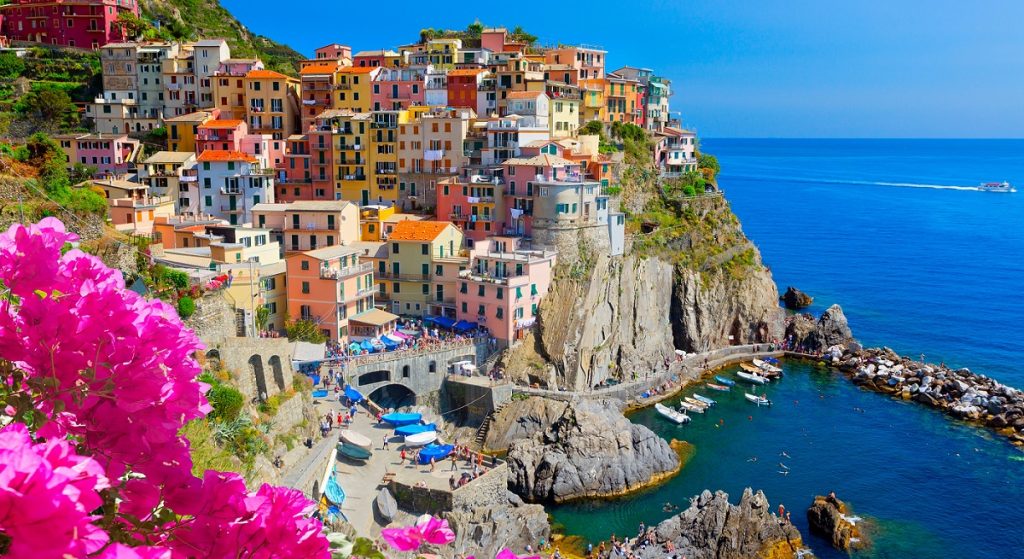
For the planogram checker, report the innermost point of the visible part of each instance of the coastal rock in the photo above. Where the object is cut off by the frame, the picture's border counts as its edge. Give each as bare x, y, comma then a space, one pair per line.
712, 528
484, 531
831, 329
592, 450
522, 419
827, 516
795, 299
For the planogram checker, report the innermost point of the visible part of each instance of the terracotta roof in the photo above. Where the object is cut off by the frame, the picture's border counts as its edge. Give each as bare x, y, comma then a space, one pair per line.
466, 72
358, 69
523, 94
227, 123
417, 230
542, 160
225, 155
319, 69
265, 74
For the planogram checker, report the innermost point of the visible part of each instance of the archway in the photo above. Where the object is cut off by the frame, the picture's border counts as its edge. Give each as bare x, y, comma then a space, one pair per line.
374, 377
393, 396
275, 366
256, 366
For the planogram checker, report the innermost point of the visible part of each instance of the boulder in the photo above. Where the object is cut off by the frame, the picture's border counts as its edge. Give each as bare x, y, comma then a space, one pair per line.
484, 531
827, 516
795, 299
591, 450
521, 419
712, 528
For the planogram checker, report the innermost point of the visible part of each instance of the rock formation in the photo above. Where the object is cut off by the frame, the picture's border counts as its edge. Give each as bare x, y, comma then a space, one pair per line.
712, 528
831, 329
795, 299
827, 516
522, 419
484, 531
592, 450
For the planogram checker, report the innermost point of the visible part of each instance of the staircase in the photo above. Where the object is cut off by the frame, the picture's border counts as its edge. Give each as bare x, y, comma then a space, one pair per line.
489, 363
485, 427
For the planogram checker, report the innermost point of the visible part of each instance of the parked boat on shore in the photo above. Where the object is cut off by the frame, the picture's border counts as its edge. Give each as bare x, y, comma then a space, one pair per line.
697, 403
406, 430
401, 419
354, 452
386, 504
420, 439
752, 377
671, 414
352, 438
717, 387
436, 451
725, 381
759, 400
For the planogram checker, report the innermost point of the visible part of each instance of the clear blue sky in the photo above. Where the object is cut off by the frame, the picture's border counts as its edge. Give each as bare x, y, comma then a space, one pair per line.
754, 68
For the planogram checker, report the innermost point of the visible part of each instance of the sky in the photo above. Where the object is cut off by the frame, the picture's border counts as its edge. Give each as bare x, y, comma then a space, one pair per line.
745, 68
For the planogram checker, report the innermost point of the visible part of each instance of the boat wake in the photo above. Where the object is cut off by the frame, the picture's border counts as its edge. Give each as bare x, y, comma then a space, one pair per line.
852, 182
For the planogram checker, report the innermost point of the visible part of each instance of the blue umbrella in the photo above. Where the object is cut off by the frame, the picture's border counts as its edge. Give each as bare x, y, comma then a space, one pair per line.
353, 394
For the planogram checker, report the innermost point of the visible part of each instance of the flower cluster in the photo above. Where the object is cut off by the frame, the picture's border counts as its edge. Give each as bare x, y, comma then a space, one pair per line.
433, 531
99, 383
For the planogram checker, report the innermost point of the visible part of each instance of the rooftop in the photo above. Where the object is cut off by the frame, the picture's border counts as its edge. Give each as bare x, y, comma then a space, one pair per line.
524, 94
225, 155
330, 252
115, 183
264, 74
543, 159
374, 317
466, 72
197, 116
228, 123
317, 205
319, 69
410, 230
170, 157
358, 69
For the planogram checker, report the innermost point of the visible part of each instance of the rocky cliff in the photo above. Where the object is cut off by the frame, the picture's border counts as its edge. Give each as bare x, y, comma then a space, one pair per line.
592, 450
712, 528
810, 335
828, 517
486, 530
521, 419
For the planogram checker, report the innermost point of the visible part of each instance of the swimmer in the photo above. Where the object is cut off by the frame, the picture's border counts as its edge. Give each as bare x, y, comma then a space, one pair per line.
752, 459
783, 453
783, 466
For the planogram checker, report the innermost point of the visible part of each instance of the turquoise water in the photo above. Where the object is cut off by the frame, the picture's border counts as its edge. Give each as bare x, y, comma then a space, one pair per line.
891, 230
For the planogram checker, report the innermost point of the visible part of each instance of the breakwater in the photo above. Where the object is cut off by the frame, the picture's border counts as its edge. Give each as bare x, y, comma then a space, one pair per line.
959, 393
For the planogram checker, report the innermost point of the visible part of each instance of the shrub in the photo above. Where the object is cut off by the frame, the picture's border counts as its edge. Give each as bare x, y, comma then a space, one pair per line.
227, 402
186, 307
304, 331
177, 278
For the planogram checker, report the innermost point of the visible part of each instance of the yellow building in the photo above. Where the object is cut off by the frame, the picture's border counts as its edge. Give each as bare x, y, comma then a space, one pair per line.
383, 156
181, 130
377, 221
355, 88
430, 149
229, 96
594, 106
340, 147
564, 116
272, 103
423, 262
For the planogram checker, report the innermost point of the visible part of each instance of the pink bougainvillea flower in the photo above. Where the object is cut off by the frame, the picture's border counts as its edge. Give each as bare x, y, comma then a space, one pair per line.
428, 529
507, 554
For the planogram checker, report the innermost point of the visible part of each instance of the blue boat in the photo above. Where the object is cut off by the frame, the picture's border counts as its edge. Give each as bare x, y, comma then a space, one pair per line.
436, 451
725, 381
354, 452
771, 360
400, 419
320, 393
407, 430
353, 394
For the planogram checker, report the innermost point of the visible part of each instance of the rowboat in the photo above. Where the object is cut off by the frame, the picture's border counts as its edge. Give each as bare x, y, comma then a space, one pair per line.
406, 430
400, 419
752, 377
767, 366
704, 399
352, 438
354, 452
725, 381
386, 504
420, 439
759, 400
671, 414
690, 407
436, 451
696, 402
718, 387
751, 368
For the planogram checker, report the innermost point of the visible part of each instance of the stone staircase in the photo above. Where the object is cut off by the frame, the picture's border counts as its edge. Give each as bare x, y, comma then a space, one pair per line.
485, 427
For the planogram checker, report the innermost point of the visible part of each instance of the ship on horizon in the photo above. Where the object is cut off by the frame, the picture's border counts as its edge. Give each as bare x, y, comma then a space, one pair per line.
996, 187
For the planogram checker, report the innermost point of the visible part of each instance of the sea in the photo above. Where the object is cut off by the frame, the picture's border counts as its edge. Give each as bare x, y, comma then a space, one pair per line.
896, 232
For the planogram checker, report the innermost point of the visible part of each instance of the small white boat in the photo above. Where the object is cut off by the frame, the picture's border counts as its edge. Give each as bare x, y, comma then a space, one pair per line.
355, 439
767, 366
690, 408
752, 377
671, 414
996, 187
759, 400
704, 399
420, 439
696, 402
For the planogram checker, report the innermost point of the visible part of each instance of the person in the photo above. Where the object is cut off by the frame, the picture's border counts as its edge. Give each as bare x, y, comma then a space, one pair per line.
782, 511
431, 463
385, 447
451, 482
401, 457
455, 464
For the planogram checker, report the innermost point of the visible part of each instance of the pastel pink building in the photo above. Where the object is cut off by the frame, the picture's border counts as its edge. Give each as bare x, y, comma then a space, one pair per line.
112, 155
399, 88
476, 203
86, 24
504, 285
233, 135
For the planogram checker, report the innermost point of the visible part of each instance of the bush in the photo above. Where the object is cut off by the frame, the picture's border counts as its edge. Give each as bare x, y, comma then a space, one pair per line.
304, 331
11, 66
689, 190
186, 307
227, 402
177, 278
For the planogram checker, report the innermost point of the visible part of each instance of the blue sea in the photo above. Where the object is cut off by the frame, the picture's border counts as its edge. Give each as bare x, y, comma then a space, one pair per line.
896, 233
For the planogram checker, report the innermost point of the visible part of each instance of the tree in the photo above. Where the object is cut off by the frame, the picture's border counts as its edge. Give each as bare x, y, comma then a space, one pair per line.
709, 165
304, 331
475, 29
51, 105
81, 172
262, 317
186, 307
520, 35
132, 25
594, 127
11, 66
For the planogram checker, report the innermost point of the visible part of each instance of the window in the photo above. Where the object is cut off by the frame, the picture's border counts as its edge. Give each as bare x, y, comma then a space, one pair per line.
500, 313
305, 287
438, 270
305, 265
426, 289
425, 249
480, 291
464, 307
394, 248
501, 294
432, 367
463, 287
481, 310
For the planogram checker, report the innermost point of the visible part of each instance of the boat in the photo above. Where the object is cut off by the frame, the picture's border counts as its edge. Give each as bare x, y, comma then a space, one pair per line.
767, 366
690, 408
752, 377
671, 414
717, 387
354, 452
400, 419
751, 368
436, 451
704, 399
772, 360
406, 430
696, 402
725, 381
352, 438
386, 505
759, 400
996, 187
420, 439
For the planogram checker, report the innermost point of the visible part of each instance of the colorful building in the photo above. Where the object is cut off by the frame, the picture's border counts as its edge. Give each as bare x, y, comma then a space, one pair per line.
506, 134
377, 221
182, 130
85, 24
355, 88
130, 206
339, 154
231, 183
383, 157
464, 87
112, 154
679, 155
423, 264
294, 176
271, 102
430, 148
330, 287
476, 203
229, 89
399, 88
317, 91
624, 98
377, 59
589, 61
172, 174
503, 286
309, 225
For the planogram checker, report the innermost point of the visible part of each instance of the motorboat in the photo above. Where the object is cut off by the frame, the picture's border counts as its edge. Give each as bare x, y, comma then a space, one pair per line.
996, 187
386, 504
759, 400
717, 387
704, 399
436, 451
420, 439
725, 381
690, 407
752, 377
352, 438
696, 402
767, 366
751, 368
406, 430
671, 414
400, 419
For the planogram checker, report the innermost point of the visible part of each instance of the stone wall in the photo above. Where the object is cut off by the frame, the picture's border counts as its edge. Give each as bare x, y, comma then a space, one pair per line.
569, 240
412, 368
421, 500
473, 397
262, 365
213, 321
484, 491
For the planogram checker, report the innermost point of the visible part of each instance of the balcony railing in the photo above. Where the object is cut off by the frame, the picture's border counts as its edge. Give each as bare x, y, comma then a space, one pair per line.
402, 277
361, 294
343, 273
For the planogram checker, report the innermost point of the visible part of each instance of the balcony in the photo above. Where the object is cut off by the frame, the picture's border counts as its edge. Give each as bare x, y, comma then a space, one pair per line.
228, 208
402, 277
344, 273
232, 190
346, 147
344, 86
361, 294
353, 177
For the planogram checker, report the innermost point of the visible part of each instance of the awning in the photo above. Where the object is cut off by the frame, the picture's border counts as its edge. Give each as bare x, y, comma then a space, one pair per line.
305, 352
464, 326
353, 394
444, 322
374, 317
388, 342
